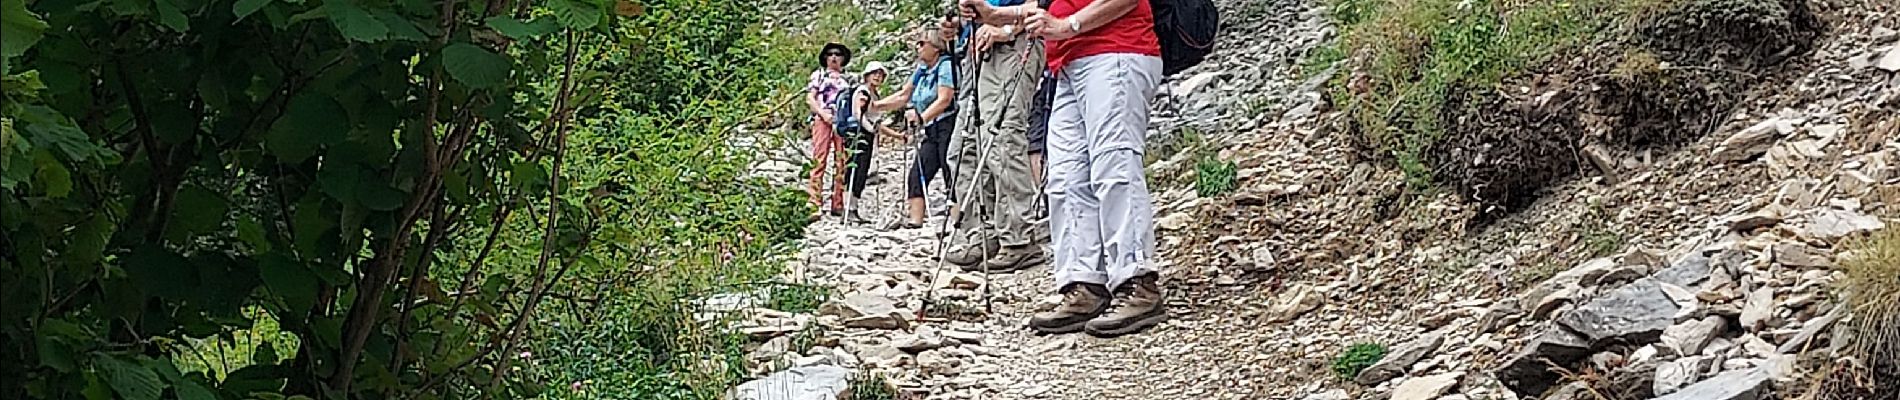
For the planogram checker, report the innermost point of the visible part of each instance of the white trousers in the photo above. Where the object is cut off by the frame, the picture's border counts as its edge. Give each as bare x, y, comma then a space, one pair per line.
1101, 214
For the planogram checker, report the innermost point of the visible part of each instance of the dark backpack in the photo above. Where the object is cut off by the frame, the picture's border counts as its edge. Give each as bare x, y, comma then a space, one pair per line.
844, 117
1186, 29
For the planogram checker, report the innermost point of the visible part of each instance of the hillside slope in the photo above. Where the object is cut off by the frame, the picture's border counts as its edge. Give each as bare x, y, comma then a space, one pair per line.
1321, 246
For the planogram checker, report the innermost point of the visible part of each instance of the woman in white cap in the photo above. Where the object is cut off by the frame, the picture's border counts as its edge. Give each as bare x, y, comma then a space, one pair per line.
862, 141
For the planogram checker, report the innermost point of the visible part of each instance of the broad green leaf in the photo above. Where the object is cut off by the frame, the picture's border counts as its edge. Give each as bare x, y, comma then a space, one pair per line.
311, 224
130, 380
514, 28
198, 210
354, 22
188, 390
474, 66
171, 17
380, 197
161, 272
244, 8
341, 180
289, 280
575, 14
400, 28
49, 128
265, 353
19, 28
252, 233
313, 120
529, 176
52, 177
56, 354
89, 240
96, 388
129, 7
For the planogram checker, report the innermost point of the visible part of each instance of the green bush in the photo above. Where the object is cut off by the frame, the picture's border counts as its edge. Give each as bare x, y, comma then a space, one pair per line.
797, 299
1409, 54
242, 199
1213, 176
1357, 358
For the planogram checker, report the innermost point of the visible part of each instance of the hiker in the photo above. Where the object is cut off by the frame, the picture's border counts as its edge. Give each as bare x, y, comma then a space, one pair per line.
926, 101
1107, 64
992, 221
859, 129
825, 85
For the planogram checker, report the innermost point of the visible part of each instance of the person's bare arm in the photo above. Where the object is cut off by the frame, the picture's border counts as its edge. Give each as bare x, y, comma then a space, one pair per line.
982, 11
1095, 15
893, 134
1101, 12
895, 100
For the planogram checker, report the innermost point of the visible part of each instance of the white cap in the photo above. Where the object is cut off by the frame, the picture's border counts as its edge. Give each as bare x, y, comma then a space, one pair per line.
874, 66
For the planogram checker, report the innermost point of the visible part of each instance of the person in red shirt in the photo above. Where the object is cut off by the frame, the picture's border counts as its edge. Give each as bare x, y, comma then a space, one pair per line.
1107, 64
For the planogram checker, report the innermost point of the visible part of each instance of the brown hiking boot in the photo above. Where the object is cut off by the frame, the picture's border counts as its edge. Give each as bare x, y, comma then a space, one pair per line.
1141, 305
970, 257
1016, 258
1081, 302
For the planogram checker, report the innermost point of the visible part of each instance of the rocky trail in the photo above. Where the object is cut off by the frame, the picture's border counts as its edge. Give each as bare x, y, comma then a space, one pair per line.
1705, 272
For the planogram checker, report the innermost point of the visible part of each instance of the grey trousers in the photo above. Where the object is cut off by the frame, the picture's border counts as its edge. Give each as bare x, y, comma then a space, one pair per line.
1101, 213
1001, 199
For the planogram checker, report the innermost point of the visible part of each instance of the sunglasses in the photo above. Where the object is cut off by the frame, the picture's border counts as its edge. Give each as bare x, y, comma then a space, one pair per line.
833, 54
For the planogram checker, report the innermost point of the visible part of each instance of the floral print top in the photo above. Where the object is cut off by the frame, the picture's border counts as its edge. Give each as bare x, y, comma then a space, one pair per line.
828, 85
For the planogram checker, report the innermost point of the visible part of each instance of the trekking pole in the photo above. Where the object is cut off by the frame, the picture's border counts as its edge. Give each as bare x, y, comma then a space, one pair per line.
981, 168
976, 117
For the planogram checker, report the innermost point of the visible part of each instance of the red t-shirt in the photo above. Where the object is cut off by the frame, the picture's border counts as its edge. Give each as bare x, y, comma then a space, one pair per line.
1133, 32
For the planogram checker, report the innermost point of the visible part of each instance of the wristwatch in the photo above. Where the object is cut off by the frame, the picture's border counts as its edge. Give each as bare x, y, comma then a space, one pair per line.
1074, 26
1009, 30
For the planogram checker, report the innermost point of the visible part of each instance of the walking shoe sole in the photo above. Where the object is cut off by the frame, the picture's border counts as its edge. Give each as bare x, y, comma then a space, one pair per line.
1137, 326
1058, 330
1022, 264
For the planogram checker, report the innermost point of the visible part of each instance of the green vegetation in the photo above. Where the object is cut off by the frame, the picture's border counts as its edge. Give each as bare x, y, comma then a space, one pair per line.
374, 199
871, 387
1405, 56
1869, 366
1599, 237
1357, 358
796, 298
1872, 289
1189, 142
1213, 176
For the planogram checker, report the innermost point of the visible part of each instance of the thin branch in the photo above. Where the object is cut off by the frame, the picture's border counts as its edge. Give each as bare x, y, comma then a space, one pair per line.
548, 245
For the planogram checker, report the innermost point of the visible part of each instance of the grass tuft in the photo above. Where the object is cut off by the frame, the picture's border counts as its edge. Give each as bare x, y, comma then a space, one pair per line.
1872, 291
1213, 176
1357, 358
871, 387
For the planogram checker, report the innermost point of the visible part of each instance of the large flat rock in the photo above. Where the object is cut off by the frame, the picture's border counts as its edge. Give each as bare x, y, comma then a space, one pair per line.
1401, 358
819, 382
1636, 313
1528, 373
1744, 384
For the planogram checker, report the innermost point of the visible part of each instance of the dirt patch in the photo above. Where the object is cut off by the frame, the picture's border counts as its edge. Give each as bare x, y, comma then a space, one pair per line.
1748, 35
1500, 151
1675, 81
1642, 103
